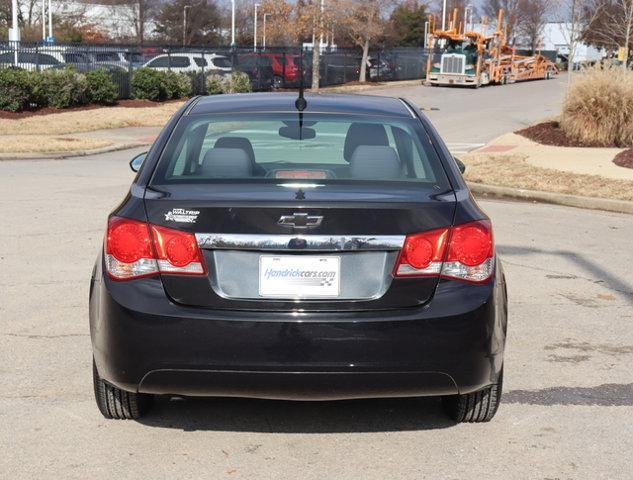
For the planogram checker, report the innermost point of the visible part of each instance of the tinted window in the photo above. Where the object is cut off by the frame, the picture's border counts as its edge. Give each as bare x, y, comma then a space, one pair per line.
180, 62
247, 62
201, 62
159, 62
41, 58
330, 148
76, 58
107, 57
222, 62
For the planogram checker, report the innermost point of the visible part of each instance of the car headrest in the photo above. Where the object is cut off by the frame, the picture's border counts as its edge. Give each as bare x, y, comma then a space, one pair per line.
372, 161
226, 163
236, 142
363, 134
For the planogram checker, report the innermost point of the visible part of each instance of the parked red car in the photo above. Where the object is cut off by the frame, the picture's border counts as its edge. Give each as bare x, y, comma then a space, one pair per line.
285, 69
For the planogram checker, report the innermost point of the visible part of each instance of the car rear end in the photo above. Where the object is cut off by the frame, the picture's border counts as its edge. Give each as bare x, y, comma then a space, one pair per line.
311, 256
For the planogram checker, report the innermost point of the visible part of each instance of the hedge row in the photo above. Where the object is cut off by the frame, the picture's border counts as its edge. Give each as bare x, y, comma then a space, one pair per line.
161, 85
21, 89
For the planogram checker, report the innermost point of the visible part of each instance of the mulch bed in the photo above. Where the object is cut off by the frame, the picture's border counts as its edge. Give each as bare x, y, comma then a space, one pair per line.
624, 159
132, 103
550, 133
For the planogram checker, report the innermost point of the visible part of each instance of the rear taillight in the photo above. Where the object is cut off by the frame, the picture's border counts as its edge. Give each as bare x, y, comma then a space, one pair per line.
136, 249
422, 254
463, 252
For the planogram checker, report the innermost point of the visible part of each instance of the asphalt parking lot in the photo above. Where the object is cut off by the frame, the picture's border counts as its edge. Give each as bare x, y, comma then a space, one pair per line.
568, 403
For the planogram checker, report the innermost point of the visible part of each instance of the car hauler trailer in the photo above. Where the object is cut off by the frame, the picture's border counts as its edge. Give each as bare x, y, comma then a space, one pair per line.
468, 58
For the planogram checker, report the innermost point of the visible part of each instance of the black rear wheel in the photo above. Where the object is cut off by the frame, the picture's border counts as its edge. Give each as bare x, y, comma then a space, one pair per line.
118, 404
475, 407
278, 82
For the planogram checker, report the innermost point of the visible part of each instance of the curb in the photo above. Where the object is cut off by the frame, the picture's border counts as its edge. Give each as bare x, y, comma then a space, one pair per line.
591, 203
69, 154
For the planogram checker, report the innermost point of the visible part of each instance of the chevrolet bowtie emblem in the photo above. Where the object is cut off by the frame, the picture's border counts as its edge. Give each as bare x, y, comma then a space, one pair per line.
300, 221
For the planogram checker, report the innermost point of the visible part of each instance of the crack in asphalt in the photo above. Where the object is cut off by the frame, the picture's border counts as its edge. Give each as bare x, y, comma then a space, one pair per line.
61, 335
561, 275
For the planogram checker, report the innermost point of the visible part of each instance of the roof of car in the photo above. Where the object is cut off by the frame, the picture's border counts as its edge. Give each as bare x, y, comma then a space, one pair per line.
317, 103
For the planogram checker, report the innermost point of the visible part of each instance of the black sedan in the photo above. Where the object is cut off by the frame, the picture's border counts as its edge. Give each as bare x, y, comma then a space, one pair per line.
319, 249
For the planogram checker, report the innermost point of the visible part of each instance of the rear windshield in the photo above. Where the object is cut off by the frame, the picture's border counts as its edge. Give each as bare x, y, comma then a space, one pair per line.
272, 147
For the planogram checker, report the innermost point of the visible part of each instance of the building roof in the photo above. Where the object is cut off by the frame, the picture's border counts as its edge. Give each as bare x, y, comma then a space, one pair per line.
317, 103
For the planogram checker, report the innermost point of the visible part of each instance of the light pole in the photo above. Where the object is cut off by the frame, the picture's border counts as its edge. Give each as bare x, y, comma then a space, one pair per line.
266, 15
426, 33
232, 23
444, 16
184, 24
50, 21
255, 29
43, 20
321, 37
14, 32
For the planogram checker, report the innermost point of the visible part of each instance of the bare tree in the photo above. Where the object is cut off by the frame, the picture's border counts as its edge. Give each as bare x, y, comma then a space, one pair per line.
611, 25
137, 14
577, 16
532, 16
511, 17
364, 23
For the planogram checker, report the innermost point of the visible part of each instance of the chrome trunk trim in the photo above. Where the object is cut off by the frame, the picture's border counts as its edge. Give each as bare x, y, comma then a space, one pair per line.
231, 241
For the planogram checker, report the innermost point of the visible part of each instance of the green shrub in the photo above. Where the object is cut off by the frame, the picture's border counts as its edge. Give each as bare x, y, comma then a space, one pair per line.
237, 82
170, 84
177, 85
598, 109
160, 85
101, 87
185, 85
149, 84
59, 88
215, 84
15, 89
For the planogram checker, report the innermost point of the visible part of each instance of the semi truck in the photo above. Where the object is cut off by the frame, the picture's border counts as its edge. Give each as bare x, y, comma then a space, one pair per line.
462, 57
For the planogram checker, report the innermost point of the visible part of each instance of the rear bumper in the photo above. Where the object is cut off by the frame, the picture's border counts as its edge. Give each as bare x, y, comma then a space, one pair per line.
144, 342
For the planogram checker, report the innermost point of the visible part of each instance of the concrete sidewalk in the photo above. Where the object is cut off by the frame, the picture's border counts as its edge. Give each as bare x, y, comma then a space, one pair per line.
579, 160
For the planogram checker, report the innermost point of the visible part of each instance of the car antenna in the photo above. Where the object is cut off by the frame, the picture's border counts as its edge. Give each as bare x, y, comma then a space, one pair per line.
300, 102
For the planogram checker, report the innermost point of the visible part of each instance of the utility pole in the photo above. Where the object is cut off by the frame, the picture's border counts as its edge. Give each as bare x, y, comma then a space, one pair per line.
232, 23
255, 29
266, 15
184, 25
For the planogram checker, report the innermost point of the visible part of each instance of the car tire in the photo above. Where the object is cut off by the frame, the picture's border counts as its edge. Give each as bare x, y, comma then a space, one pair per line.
118, 404
278, 82
474, 407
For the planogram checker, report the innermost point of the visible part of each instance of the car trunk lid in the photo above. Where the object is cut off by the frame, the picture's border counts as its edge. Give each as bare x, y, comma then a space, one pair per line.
352, 233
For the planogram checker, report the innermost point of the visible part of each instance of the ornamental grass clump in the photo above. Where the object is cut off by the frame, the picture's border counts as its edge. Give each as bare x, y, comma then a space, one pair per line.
598, 109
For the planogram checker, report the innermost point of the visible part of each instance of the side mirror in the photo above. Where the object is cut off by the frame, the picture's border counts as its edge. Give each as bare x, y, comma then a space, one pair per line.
137, 161
460, 165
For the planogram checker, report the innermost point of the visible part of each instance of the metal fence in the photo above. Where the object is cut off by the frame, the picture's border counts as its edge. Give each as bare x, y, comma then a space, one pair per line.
267, 69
